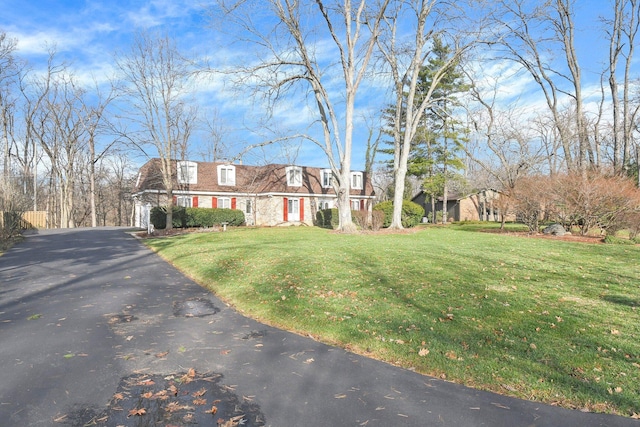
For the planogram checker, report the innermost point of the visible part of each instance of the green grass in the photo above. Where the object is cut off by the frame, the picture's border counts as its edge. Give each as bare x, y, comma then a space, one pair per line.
539, 319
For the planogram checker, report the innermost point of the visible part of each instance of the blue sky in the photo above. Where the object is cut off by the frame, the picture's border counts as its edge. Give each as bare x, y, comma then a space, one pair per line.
87, 33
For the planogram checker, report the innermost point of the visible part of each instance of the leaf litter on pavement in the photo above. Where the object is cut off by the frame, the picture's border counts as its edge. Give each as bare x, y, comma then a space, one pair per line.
182, 399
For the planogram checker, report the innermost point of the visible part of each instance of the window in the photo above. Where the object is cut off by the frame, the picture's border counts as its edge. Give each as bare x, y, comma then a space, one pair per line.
327, 178
355, 205
294, 176
187, 172
247, 207
356, 180
324, 204
183, 201
294, 206
226, 175
224, 202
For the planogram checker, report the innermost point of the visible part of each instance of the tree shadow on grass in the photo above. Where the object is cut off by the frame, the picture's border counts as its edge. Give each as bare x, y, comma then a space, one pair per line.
622, 300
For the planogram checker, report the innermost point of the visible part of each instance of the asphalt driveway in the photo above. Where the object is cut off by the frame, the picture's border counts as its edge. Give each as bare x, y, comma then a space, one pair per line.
95, 329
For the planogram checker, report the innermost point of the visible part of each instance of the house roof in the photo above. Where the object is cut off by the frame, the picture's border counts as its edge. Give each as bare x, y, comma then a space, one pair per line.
454, 196
249, 179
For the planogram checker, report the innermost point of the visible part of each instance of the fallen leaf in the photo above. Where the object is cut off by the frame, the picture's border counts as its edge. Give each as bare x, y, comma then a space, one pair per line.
199, 401
175, 406
173, 389
118, 396
137, 412
423, 352
147, 395
200, 392
213, 410
161, 355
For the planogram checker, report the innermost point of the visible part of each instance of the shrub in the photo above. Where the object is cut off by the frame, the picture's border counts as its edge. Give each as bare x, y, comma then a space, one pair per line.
158, 217
196, 217
209, 217
377, 219
361, 219
411, 215
327, 218
612, 240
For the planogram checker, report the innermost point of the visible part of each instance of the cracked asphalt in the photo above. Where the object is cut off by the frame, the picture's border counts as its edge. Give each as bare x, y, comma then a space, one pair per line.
95, 329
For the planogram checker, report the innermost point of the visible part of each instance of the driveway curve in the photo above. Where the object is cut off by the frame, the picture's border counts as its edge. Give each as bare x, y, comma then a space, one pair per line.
95, 329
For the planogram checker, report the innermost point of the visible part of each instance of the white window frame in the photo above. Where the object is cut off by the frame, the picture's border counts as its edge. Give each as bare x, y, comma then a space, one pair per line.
229, 175
324, 204
183, 201
294, 176
355, 205
224, 202
191, 170
293, 209
356, 180
326, 178
248, 207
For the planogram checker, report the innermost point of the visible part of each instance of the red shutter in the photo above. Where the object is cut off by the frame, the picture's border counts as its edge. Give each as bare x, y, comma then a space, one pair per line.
233, 203
285, 210
301, 209
214, 202
195, 201
361, 205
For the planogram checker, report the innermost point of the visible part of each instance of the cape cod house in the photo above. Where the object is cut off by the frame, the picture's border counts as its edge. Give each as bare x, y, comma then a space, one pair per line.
268, 195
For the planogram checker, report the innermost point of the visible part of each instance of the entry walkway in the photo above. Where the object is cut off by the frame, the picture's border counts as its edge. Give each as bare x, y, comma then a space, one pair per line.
94, 327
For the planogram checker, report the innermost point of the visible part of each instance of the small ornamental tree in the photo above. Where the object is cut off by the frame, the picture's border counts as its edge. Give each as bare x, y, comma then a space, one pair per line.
583, 200
528, 201
594, 200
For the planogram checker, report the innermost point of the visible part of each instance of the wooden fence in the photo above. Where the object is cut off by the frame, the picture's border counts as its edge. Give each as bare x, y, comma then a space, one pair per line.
29, 220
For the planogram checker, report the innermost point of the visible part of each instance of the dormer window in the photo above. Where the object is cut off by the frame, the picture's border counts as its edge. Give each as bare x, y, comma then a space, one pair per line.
356, 180
226, 175
294, 176
326, 177
187, 172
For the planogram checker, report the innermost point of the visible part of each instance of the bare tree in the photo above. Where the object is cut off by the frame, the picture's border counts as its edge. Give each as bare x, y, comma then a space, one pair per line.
217, 148
8, 73
622, 30
428, 20
94, 117
529, 31
293, 61
156, 79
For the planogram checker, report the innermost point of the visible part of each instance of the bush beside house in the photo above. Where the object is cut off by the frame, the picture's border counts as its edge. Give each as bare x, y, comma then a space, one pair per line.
196, 217
412, 213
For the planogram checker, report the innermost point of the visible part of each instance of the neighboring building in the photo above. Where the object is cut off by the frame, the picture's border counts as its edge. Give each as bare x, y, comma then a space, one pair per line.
479, 206
268, 195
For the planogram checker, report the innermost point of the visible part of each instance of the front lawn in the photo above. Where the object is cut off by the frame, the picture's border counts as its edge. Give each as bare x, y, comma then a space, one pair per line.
539, 319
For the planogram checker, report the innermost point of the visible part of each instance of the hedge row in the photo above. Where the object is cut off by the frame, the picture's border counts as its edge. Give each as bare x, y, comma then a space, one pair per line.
196, 217
412, 214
